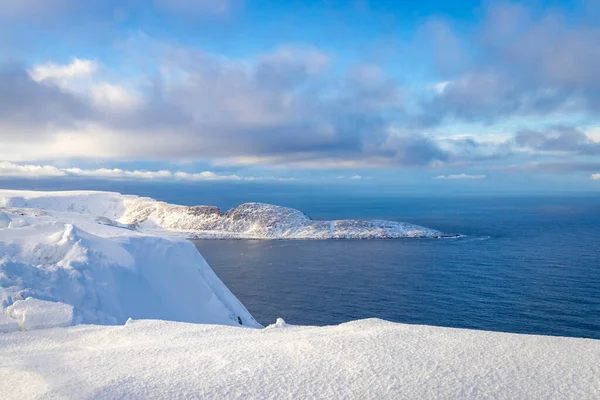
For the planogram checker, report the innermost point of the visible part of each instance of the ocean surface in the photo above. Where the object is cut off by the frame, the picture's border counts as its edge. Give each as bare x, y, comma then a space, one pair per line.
526, 265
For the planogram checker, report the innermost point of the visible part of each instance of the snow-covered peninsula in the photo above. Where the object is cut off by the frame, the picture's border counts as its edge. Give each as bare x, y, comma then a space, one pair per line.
249, 220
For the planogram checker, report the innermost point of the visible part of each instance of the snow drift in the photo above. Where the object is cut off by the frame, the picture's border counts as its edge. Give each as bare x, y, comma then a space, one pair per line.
368, 359
64, 268
250, 220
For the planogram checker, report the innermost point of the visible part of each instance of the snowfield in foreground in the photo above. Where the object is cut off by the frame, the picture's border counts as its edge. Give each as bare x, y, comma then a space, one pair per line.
249, 220
367, 359
64, 268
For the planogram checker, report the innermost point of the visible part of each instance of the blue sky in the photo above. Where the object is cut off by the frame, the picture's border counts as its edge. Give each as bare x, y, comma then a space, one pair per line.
438, 96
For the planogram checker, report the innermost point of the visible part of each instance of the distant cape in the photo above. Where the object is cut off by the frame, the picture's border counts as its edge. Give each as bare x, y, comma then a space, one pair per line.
247, 221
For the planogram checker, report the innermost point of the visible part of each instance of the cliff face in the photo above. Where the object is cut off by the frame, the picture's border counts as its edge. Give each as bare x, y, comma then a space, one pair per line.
204, 211
63, 268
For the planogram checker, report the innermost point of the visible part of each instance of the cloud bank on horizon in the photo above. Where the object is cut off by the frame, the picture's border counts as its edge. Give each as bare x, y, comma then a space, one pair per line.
253, 88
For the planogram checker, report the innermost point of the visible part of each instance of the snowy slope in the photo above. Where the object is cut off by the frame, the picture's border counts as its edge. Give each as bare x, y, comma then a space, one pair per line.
63, 268
250, 220
368, 359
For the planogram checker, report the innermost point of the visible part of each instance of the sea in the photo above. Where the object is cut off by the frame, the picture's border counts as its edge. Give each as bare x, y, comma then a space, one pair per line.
526, 264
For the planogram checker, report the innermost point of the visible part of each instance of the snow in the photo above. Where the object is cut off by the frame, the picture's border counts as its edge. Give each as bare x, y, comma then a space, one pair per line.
249, 220
367, 359
4, 220
7, 324
39, 314
58, 268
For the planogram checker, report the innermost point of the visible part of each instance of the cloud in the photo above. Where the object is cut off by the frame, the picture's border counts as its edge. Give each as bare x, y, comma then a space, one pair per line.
28, 107
595, 177
558, 139
11, 170
63, 73
80, 77
295, 107
113, 96
518, 62
202, 106
552, 167
460, 177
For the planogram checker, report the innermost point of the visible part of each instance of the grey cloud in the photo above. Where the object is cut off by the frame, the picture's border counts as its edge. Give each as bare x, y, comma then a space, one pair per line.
560, 138
520, 63
416, 150
290, 66
553, 167
237, 110
26, 103
204, 107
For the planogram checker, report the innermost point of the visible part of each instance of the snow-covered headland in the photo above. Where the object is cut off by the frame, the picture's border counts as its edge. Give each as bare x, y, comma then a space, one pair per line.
101, 259
249, 220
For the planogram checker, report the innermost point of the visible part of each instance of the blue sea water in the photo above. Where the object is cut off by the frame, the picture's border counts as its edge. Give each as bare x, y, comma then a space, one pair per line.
527, 265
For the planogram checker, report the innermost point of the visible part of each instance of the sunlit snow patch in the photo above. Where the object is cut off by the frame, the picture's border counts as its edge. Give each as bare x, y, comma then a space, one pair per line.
39, 314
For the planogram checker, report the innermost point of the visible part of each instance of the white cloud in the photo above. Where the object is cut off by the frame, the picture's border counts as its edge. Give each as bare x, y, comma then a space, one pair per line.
61, 74
595, 177
460, 176
351, 177
81, 77
113, 96
11, 170
440, 87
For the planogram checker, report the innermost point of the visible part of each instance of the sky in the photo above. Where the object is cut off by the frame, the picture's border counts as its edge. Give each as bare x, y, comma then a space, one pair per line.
434, 96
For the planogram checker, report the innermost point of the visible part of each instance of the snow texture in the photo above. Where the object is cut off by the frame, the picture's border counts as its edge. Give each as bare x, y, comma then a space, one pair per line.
7, 324
367, 359
249, 220
58, 268
39, 314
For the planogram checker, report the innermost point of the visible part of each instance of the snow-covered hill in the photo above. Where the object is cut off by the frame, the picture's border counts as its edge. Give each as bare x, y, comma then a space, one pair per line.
62, 268
368, 359
250, 220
